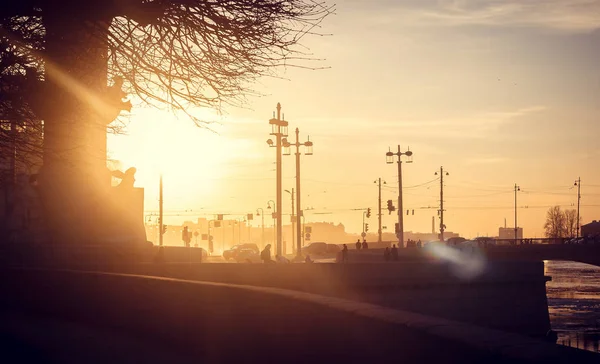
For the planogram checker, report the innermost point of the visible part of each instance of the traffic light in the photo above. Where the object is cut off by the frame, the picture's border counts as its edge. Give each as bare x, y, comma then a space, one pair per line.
397, 228
390, 206
366, 227
368, 212
210, 244
164, 229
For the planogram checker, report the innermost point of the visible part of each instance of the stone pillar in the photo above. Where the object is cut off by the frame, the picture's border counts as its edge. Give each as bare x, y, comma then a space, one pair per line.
74, 180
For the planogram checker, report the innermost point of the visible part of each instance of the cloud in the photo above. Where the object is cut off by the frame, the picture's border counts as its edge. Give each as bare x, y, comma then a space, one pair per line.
572, 16
468, 126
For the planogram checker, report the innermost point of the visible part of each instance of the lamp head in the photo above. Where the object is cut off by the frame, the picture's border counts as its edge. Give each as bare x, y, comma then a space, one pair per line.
270, 142
389, 157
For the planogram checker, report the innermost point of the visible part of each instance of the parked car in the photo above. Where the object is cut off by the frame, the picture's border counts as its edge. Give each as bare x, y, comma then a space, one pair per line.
317, 248
233, 252
333, 248
455, 241
247, 256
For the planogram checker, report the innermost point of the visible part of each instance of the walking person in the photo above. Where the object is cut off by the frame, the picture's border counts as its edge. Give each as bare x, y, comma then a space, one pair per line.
394, 253
265, 255
345, 254
358, 245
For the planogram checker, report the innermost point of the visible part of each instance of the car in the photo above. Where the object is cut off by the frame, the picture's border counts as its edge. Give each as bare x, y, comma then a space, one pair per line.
333, 248
316, 248
456, 241
247, 256
233, 252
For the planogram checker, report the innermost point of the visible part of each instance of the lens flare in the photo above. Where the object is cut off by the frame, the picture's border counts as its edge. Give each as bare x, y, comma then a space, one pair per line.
465, 261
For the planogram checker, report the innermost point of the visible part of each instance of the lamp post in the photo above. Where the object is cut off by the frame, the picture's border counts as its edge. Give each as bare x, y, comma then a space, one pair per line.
210, 251
389, 160
303, 230
578, 184
274, 214
160, 212
292, 216
262, 226
441, 212
279, 129
379, 231
517, 188
309, 151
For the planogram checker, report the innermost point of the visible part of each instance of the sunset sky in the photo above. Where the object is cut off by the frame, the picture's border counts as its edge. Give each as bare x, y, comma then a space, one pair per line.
498, 92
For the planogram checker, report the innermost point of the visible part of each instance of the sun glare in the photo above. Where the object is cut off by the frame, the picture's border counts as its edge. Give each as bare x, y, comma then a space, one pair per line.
157, 142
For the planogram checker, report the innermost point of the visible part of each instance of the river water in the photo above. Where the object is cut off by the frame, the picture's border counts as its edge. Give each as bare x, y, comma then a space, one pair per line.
574, 303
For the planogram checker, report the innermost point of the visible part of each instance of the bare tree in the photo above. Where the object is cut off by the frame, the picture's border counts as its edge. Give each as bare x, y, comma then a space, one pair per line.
570, 222
555, 223
179, 53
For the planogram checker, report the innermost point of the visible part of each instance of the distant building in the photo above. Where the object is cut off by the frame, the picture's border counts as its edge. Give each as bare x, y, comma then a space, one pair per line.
509, 233
593, 228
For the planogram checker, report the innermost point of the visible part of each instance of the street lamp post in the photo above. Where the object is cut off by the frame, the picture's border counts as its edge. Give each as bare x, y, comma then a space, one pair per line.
517, 188
309, 151
441, 212
292, 218
578, 184
279, 129
273, 215
389, 160
262, 226
303, 230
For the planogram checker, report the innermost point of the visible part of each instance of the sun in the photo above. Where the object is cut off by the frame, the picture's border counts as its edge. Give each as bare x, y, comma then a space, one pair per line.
189, 157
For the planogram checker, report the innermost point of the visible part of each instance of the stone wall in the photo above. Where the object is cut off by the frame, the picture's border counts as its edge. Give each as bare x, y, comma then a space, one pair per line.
212, 322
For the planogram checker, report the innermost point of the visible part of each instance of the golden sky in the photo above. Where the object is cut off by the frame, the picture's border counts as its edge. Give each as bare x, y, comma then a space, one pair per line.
498, 92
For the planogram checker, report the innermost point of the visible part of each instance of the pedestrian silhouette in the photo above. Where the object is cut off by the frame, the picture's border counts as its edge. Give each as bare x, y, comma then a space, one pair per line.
265, 255
345, 253
358, 245
365, 245
386, 254
186, 236
394, 253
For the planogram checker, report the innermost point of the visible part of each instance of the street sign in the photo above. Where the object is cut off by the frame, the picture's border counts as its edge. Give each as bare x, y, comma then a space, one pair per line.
363, 235
307, 236
204, 236
196, 233
308, 229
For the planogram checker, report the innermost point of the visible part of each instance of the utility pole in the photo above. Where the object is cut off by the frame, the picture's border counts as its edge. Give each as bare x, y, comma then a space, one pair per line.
578, 184
517, 188
379, 231
441, 212
389, 160
279, 130
160, 211
309, 151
